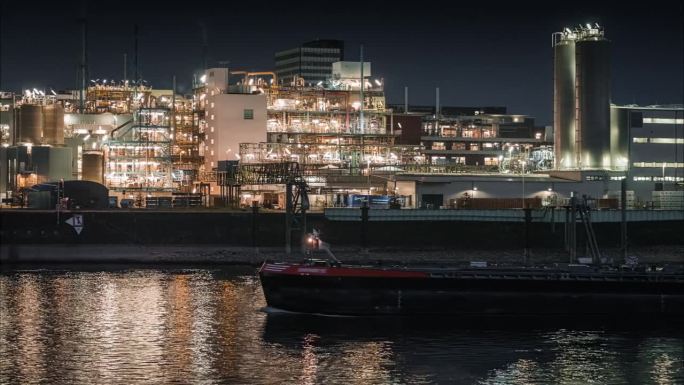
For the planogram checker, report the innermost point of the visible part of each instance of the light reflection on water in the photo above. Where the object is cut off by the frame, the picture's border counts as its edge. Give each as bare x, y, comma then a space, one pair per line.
206, 326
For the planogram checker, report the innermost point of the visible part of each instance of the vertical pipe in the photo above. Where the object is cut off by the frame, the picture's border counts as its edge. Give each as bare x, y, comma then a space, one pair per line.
1, 5
362, 86
392, 122
135, 58
406, 100
173, 106
84, 58
437, 103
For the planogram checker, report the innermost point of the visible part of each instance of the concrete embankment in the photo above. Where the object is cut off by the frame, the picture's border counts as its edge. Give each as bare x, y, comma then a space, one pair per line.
210, 236
235, 255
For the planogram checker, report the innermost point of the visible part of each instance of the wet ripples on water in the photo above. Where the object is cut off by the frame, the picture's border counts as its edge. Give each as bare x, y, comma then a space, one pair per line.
125, 326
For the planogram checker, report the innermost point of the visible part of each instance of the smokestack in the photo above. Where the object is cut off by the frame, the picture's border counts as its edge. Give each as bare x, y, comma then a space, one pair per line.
173, 107
84, 57
437, 110
406, 100
1, 45
205, 46
135, 55
362, 86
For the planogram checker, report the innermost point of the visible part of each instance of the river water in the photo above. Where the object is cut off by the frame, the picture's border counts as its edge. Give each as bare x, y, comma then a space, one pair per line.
126, 325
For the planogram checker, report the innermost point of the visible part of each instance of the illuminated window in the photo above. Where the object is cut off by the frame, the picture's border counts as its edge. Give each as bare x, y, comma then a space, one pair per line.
212, 104
212, 116
212, 128
438, 146
658, 164
212, 141
491, 161
663, 121
212, 152
658, 140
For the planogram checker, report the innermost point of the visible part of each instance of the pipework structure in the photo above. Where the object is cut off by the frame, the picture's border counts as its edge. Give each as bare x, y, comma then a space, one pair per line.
139, 158
322, 128
582, 98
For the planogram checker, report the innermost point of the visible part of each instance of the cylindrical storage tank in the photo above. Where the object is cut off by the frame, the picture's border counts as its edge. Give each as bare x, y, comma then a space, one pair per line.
92, 166
53, 131
564, 103
30, 124
593, 101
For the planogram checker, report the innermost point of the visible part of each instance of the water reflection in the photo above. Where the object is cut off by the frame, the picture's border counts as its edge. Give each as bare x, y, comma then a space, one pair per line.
206, 326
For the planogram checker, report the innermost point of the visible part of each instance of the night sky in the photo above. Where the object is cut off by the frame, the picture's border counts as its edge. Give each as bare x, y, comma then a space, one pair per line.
478, 54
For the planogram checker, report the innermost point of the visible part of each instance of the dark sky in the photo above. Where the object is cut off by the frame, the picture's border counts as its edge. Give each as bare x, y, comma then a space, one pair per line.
481, 53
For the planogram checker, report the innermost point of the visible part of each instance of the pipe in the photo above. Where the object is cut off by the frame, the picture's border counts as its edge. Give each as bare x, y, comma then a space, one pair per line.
362, 86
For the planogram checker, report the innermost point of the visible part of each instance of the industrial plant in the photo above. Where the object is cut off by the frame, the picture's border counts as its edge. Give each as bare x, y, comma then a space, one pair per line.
233, 140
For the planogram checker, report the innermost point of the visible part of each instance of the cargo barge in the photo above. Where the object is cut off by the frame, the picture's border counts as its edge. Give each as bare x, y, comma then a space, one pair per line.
329, 287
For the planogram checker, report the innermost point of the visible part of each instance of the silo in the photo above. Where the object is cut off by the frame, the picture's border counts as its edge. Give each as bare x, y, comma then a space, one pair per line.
564, 100
53, 131
593, 98
30, 124
92, 166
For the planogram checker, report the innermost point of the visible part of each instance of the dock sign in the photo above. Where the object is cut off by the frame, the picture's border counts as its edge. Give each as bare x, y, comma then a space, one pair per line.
76, 222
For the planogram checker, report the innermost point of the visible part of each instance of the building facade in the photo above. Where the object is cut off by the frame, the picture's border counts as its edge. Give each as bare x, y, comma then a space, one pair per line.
483, 142
655, 149
312, 61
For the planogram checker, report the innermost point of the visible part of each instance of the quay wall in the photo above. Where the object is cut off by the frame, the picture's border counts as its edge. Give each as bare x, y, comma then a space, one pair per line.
266, 229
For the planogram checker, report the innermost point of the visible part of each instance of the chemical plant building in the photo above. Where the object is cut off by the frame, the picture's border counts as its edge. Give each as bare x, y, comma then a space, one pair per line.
155, 148
655, 148
596, 144
125, 136
341, 137
311, 62
489, 140
234, 113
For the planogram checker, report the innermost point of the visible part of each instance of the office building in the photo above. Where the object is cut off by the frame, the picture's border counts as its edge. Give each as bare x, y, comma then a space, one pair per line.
312, 61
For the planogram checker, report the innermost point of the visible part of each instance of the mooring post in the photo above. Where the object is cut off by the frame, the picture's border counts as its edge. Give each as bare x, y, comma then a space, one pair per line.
623, 217
528, 221
289, 208
364, 226
255, 225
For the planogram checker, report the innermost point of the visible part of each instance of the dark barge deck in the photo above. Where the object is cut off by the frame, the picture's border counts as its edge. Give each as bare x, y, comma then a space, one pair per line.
371, 290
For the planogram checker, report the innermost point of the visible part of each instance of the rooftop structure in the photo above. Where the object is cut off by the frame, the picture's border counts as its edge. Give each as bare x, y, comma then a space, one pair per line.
312, 61
485, 142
